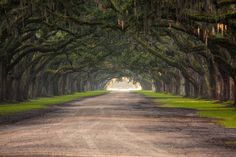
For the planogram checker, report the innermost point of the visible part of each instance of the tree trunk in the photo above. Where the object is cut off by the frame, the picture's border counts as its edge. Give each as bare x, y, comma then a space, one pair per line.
19, 92
3, 83
226, 87
234, 90
212, 80
187, 88
1, 77
156, 86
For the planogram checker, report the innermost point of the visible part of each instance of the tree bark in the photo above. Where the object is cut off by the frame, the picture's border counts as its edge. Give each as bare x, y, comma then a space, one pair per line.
212, 79
3, 83
234, 90
225, 95
187, 88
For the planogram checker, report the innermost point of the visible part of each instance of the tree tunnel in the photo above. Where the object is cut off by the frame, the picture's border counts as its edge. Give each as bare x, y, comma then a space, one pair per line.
58, 47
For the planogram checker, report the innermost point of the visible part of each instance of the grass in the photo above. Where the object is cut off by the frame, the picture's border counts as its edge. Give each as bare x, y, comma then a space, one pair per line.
231, 142
42, 103
223, 113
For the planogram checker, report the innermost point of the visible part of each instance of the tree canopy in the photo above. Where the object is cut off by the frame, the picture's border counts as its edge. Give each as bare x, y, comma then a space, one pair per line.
57, 47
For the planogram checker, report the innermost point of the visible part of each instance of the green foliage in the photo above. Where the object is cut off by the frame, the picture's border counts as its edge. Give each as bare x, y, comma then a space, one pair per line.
223, 113
63, 43
42, 103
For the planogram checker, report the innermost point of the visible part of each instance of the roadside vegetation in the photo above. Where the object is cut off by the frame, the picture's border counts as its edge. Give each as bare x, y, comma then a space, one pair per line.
42, 103
223, 113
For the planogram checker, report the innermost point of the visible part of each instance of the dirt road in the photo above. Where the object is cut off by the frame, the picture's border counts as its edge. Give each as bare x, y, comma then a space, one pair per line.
116, 125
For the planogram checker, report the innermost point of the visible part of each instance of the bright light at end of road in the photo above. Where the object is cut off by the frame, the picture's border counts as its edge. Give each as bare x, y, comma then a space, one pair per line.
123, 85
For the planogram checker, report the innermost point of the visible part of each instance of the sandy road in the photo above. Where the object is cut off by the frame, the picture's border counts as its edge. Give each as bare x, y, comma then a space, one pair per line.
115, 125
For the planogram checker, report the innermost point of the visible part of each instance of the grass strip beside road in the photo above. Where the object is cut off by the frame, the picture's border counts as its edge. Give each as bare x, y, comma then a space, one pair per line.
224, 114
42, 103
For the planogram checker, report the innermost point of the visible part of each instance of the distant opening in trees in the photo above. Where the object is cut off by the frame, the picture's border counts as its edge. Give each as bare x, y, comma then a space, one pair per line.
123, 84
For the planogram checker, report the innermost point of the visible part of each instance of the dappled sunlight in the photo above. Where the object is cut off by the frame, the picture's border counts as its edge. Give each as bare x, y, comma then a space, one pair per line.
123, 85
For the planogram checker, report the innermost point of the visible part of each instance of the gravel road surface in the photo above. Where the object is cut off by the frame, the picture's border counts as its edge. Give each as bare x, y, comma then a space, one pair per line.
118, 124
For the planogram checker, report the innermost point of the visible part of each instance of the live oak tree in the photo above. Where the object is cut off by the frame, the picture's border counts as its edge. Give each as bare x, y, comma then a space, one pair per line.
58, 47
